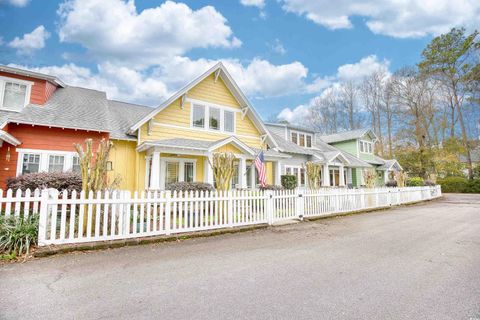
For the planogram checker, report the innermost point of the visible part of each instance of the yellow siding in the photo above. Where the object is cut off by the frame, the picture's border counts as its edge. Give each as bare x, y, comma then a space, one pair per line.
229, 148
269, 171
124, 159
210, 91
214, 92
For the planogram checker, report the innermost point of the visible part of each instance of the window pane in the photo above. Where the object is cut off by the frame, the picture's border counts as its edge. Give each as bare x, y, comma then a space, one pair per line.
198, 116
171, 172
188, 172
302, 177
361, 146
31, 163
309, 141
214, 118
76, 164
302, 140
14, 96
228, 121
288, 171
294, 137
55, 163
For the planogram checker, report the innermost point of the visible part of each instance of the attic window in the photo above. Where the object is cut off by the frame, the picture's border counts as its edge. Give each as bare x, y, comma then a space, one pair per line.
14, 95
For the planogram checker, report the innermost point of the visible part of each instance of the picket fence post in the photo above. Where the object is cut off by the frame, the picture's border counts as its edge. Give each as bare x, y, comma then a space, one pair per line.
270, 206
229, 194
168, 212
299, 204
42, 225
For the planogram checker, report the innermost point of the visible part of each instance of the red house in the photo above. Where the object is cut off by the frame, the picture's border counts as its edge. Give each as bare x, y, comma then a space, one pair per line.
41, 118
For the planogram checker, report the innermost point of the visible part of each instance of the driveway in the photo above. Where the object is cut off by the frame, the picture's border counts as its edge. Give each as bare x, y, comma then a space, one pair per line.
415, 262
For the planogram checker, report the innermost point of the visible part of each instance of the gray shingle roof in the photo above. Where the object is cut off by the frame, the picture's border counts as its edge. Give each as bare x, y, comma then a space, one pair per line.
344, 136
291, 126
69, 107
290, 147
475, 155
122, 116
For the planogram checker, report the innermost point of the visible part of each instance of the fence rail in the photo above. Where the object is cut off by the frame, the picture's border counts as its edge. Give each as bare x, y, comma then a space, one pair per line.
79, 217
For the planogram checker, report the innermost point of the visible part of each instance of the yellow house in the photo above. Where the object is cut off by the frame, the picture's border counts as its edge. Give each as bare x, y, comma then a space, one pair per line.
175, 140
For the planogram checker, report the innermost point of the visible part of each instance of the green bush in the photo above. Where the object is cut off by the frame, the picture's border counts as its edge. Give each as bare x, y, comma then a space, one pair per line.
473, 186
289, 182
453, 184
17, 235
190, 186
57, 180
415, 182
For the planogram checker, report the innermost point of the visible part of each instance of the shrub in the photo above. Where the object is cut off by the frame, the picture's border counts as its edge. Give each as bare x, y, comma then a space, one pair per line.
415, 182
289, 182
17, 235
58, 180
473, 186
453, 184
391, 184
190, 186
429, 183
272, 187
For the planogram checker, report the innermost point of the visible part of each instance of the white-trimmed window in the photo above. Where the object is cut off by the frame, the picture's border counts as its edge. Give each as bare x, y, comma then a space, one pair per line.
14, 93
228, 121
297, 171
76, 164
32, 161
366, 146
56, 163
198, 116
176, 170
302, 139
212, 117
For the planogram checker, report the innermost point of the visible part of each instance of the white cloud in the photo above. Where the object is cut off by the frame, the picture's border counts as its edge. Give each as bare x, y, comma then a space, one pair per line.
16, 3
295, 115
152, 86
365, 67
402, 19
277, 47
114, 30
253, 3
30, 42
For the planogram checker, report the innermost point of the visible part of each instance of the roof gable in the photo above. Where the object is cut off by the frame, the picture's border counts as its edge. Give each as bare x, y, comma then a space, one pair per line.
349, 135
218, 71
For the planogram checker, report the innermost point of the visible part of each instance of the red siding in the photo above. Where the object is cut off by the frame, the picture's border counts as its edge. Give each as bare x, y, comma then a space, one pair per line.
41, 89
42, 138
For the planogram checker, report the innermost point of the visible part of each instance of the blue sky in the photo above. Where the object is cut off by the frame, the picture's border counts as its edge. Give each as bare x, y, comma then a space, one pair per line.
283, 53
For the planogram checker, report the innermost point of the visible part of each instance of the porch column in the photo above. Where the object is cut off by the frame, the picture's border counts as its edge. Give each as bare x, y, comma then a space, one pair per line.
385, 176
277, 173
325, 176
252, 176
341, 177
208, 170
155, 174
242, 170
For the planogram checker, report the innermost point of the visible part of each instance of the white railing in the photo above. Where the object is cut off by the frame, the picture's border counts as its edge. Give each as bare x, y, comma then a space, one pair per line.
76, 217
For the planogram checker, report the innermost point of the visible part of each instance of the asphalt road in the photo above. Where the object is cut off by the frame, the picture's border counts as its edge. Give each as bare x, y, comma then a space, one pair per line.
416, 262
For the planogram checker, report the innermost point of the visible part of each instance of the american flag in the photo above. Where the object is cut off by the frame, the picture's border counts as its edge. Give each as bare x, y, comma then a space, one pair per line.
260, 165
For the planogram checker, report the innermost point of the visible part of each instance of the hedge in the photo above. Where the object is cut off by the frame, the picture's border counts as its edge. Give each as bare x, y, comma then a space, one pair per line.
57, 180
415, 182
190, 186
459, 185
289, 182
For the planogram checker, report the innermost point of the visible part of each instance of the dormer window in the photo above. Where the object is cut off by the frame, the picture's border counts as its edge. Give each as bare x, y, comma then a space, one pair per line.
14, 94
302, 139
366, 147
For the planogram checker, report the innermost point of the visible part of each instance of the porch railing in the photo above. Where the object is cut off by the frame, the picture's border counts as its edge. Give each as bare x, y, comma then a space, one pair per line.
78, 217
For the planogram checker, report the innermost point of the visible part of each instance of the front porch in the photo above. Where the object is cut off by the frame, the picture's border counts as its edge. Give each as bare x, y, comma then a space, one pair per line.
186, 160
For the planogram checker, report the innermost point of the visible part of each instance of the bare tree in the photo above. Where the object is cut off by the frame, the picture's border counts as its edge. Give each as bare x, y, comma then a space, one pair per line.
348, 98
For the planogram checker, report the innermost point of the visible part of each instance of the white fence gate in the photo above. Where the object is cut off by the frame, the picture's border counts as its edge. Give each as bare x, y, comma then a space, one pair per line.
76, 217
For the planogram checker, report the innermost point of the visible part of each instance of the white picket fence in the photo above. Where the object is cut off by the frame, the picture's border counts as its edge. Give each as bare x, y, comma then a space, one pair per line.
76, 217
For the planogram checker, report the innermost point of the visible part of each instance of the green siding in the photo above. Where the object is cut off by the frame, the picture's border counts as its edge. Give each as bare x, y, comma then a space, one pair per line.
349, 146
356, 177
380, 178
